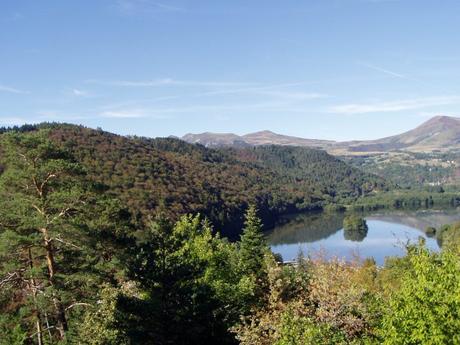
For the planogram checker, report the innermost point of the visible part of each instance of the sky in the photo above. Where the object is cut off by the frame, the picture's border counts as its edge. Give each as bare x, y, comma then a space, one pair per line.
325, 69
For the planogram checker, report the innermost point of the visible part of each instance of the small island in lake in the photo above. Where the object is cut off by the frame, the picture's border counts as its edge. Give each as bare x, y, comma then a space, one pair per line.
354, 228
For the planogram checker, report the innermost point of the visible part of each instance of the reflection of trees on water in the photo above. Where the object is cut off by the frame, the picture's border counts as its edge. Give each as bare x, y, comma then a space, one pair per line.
309, 228
355, 234
421, 219
354, 228
306, 228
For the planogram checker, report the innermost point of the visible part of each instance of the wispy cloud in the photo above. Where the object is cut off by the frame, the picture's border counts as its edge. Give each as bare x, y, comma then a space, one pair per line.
4, 88
58, 116
403, 76
254, 88
203, 109
131, 7
385, 71
394, 106
219, 87
298, 96
223, 87
80, 93
132, 114
163, 82
278, 97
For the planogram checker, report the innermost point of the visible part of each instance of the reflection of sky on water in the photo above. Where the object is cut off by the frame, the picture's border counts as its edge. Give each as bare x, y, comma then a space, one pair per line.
383, 239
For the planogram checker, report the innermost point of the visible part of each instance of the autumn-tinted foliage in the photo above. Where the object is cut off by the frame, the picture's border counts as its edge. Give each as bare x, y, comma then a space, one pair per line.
149, 175
74, 271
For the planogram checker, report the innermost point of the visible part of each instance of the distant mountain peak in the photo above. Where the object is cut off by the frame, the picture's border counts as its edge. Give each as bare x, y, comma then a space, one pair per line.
442, 120
438, 133
441, 132
266, 131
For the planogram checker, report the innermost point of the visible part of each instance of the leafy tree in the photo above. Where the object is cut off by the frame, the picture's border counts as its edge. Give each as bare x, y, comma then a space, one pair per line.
104, 325
177, 305
318, 302
448, 236
425, 309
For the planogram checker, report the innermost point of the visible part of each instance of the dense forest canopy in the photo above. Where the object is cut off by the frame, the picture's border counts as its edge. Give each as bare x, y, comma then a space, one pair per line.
412, 169
149, 175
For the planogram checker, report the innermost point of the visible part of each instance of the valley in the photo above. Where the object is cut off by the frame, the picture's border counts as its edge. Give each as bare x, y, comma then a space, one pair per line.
177, 172
147, 232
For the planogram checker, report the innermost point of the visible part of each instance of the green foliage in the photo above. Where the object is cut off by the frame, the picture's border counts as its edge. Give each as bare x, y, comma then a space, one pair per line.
425, 309
295, 329
333, 208
103, 324
50, 250
253, 253
316, 302
355, 228
410, 169
252, 244
11, 330
149, 175
449, 236
409, 199
183, 270
430, 231
71, 259
327, 177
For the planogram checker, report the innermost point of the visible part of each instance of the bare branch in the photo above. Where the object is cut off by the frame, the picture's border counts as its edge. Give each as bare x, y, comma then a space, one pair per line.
33, 335
47, 179
37, 188
39, 210
10, 277
78, 304
60, 214
66, 243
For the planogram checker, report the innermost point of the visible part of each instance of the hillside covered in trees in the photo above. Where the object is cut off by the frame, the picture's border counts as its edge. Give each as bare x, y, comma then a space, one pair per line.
74, 270
149, 175
411, 169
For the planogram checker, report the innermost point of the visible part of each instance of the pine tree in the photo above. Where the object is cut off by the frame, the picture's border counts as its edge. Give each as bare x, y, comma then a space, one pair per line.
253, 254
50, 223
253, 246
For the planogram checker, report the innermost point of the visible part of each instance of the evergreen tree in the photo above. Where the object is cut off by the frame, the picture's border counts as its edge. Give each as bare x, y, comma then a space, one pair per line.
50, 254
253, 254
253, 246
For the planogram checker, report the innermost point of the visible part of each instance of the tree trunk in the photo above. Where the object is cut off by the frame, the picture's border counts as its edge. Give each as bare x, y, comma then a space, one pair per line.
33, 288
60, 311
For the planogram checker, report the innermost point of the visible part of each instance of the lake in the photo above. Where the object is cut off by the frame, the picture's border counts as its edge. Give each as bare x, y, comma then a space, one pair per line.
388, 231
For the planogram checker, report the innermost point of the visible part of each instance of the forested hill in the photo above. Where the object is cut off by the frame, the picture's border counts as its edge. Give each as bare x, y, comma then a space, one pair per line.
150, 175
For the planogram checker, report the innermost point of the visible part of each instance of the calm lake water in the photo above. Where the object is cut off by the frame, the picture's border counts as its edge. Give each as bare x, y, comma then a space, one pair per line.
388, 232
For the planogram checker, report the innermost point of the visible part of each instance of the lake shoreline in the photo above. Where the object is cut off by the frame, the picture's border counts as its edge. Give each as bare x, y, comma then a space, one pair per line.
323, 231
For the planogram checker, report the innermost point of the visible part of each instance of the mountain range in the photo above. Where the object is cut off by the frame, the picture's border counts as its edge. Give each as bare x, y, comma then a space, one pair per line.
438, 133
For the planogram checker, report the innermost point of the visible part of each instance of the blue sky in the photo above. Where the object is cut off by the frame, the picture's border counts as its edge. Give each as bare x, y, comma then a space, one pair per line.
329, 69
